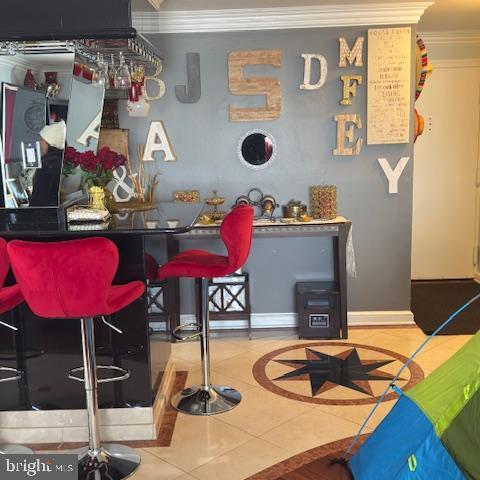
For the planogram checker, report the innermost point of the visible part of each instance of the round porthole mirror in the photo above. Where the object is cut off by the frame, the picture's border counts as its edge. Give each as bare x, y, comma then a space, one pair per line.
257, 149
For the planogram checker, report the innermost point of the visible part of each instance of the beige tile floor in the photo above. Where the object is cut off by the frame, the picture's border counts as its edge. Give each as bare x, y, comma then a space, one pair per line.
266, 428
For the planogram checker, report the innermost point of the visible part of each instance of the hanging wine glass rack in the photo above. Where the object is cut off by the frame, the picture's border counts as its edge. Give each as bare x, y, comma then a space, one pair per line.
136, 50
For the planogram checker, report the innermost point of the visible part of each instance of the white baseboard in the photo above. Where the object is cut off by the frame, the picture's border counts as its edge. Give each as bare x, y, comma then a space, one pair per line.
279, 320
393, 317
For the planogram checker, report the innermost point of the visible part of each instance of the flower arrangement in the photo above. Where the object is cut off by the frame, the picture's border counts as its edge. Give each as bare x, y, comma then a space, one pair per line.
97, 169
70, 161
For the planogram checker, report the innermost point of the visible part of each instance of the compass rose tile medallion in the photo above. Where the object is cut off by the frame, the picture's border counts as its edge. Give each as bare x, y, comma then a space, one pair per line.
334, 373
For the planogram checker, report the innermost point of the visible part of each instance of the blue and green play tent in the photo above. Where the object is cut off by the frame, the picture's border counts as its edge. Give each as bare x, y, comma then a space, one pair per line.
433, 431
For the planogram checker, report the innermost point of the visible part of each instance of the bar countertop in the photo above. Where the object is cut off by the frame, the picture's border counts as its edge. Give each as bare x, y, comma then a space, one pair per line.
167, 217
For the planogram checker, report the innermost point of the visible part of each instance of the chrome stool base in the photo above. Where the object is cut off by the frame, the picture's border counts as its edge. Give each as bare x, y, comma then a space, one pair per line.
110, 462
15, 450
199, 400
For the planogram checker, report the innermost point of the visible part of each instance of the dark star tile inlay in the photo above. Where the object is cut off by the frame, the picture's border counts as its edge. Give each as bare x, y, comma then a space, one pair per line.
359, 372
325, 372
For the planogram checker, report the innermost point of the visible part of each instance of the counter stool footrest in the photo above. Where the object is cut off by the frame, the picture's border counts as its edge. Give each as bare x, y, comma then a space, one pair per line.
17, 374
182, 338
124, 374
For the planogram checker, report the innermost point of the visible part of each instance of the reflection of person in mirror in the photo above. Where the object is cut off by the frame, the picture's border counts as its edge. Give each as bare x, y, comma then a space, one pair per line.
257, 149
46, 181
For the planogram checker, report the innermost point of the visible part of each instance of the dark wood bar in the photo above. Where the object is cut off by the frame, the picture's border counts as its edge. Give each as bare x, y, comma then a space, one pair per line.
45, 349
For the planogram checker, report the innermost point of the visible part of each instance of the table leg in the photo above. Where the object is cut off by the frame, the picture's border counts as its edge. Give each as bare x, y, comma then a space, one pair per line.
172, 293
340, 253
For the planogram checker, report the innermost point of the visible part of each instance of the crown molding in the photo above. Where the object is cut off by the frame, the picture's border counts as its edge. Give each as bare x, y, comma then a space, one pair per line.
316, 16
451, 38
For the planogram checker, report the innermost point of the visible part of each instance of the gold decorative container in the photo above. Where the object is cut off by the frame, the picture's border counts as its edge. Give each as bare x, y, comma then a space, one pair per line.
96, 197
187, 196
206, 219
215, 201
133, 205
323, 202
293, 209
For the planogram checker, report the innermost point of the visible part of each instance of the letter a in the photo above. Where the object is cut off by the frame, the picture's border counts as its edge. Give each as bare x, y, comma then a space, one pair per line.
92, 131
157, 141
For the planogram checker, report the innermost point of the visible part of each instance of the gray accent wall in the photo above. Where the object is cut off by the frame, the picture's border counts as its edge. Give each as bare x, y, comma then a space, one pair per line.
205, 143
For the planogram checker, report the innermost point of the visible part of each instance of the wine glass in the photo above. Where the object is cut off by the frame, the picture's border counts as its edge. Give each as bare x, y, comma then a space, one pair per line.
100, 74
122, 74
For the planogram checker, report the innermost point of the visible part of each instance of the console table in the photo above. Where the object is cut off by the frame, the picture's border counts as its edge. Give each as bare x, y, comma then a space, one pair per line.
338, 229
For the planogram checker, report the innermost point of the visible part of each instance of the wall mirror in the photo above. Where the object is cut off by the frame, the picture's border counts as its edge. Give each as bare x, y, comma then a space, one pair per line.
83, 125
257, 149
43, 90
35, 94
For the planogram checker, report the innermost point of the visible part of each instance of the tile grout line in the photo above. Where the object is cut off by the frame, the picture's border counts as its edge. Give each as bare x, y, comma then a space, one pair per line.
165, 461
223, 453
253, 438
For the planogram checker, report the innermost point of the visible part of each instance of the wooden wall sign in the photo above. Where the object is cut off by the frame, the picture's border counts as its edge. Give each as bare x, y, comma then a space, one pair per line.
307, 71
388, 92
345, 133
350, 87
268, 86
353, 56
191, 92
393, 175
116, 139
158, 141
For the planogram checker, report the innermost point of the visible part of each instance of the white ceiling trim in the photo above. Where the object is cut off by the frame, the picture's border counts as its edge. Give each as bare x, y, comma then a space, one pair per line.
451, 38
279, 18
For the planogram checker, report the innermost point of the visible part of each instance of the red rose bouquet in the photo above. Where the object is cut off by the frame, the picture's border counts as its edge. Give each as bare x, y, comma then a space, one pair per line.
70, 161
97, 169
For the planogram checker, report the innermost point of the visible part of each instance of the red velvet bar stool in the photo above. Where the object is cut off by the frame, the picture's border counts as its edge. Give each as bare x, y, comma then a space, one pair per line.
236, 233
10, 297
73, 280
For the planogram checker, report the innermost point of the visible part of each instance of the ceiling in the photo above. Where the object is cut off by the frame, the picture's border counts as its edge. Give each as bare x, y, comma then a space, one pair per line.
443, 15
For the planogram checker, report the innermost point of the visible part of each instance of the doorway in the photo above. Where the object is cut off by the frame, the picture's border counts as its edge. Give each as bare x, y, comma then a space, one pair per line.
446, 201
445, 213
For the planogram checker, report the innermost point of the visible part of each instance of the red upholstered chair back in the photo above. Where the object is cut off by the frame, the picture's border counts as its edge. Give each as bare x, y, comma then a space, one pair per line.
236, 232
69, 279
4, 261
